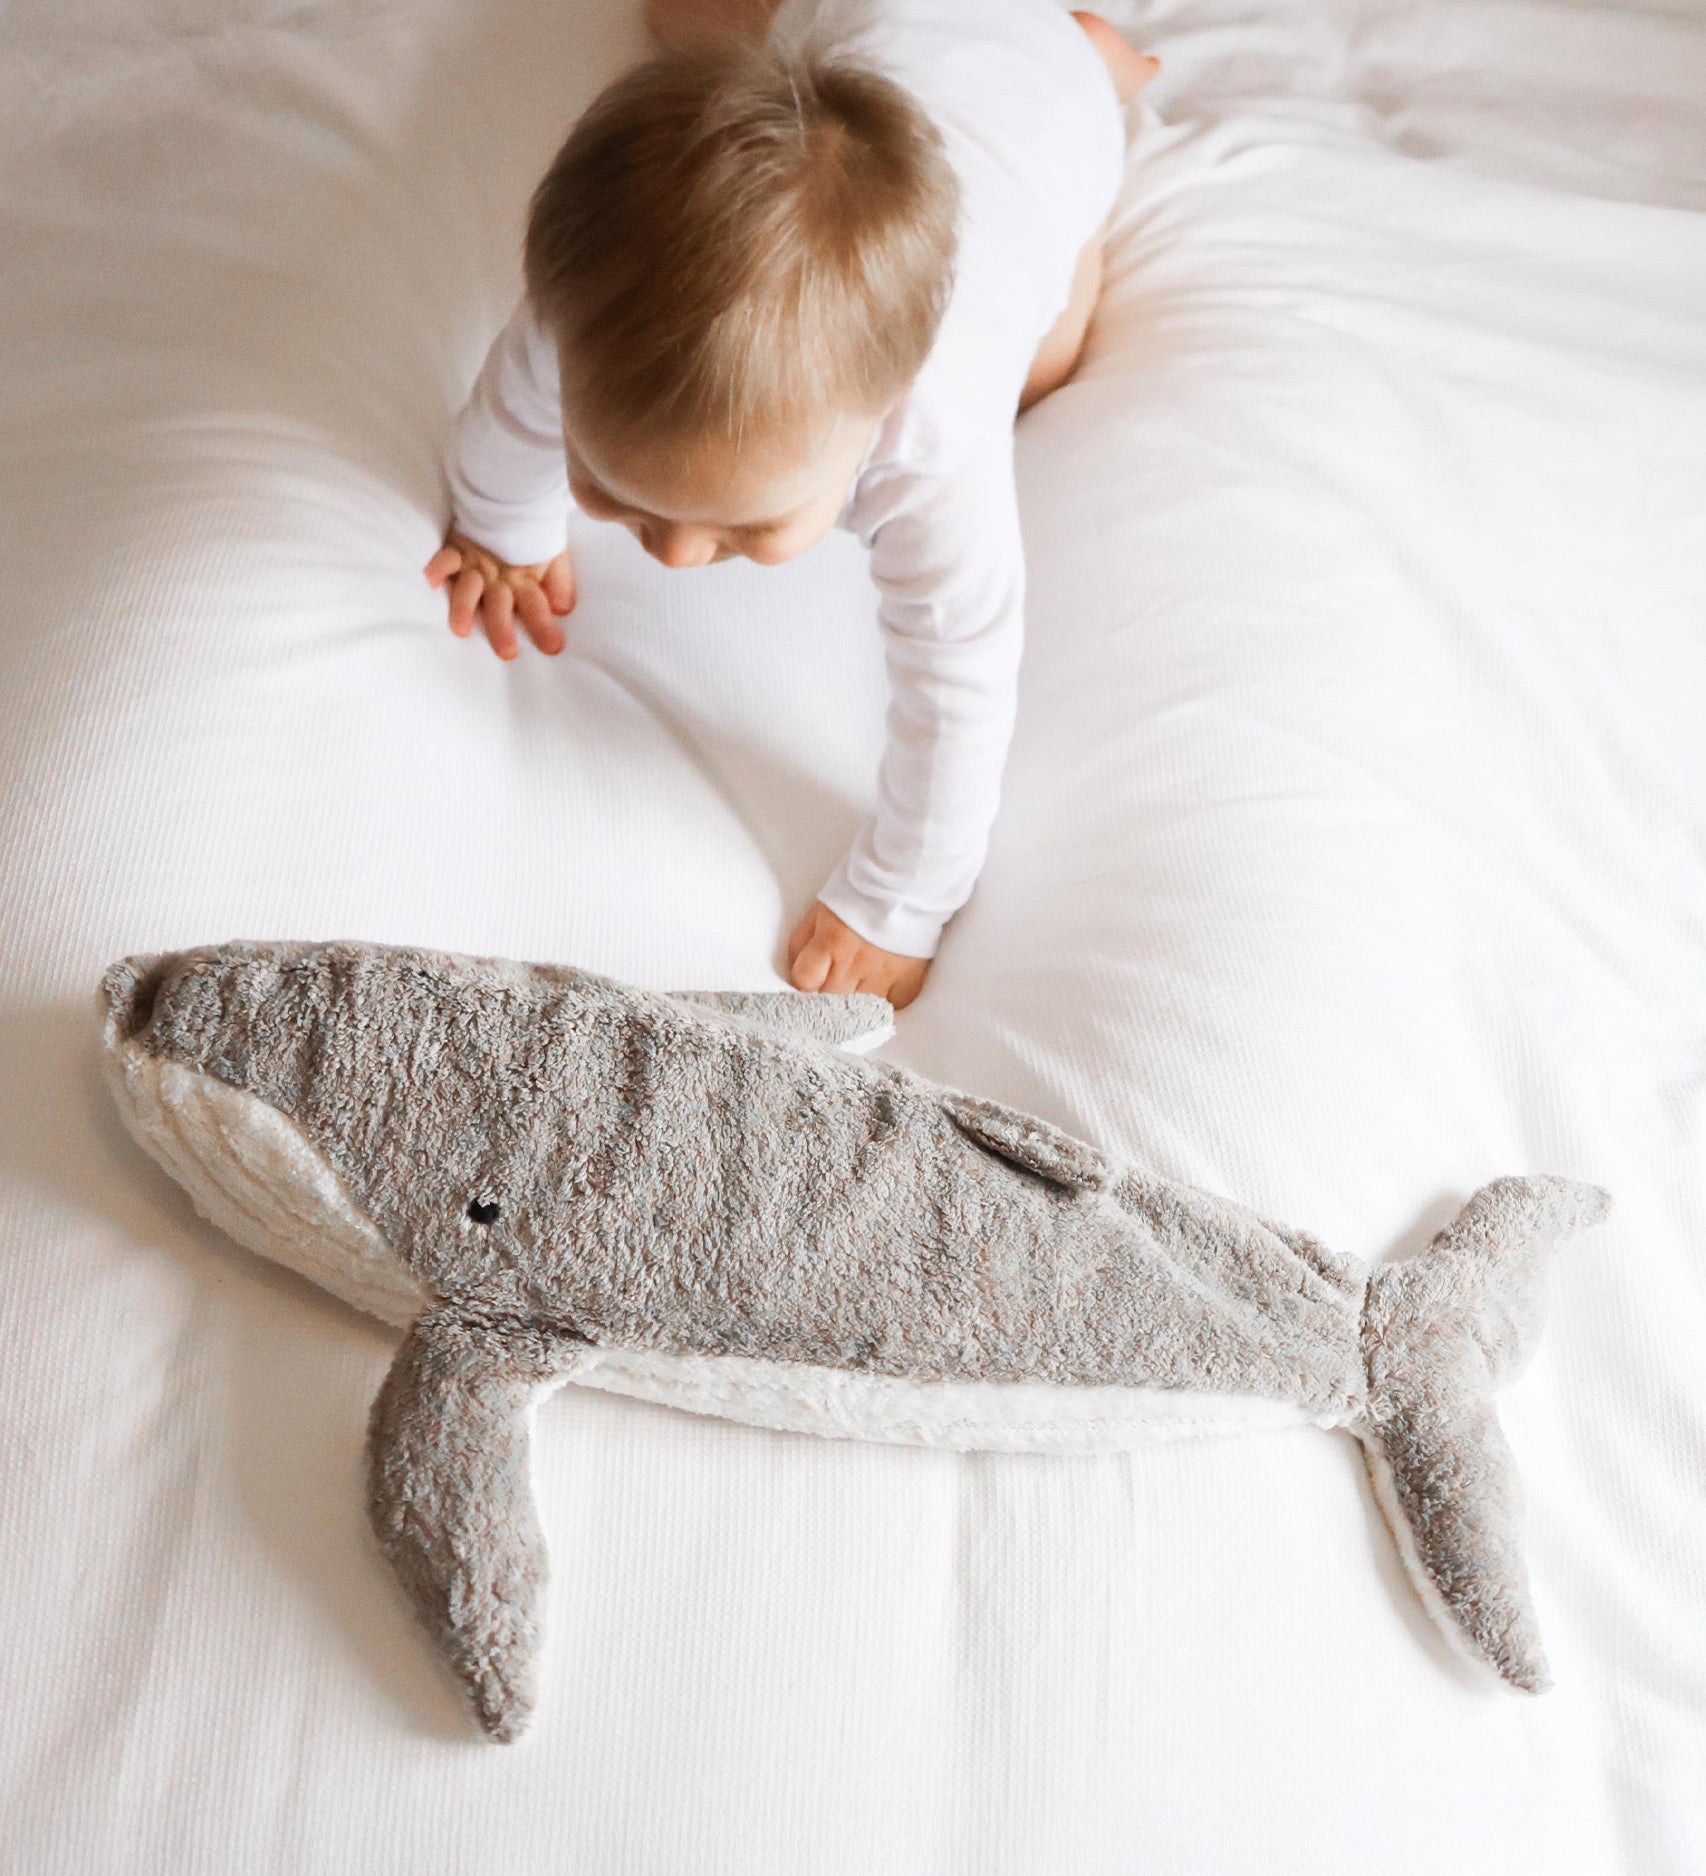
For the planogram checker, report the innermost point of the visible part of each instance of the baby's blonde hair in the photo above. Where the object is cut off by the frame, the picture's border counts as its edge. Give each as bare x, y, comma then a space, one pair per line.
738, 243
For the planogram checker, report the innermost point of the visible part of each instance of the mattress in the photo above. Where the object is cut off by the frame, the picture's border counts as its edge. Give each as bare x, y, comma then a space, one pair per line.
1352, 852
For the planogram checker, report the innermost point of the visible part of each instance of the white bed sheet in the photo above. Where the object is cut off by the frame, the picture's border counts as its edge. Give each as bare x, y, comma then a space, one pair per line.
1354, 850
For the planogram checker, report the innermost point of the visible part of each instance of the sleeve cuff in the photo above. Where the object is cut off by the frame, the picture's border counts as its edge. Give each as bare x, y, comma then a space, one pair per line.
523, 541
891, 924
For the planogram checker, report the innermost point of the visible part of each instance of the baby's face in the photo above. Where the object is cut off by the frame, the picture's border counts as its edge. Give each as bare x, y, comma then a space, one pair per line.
693, 512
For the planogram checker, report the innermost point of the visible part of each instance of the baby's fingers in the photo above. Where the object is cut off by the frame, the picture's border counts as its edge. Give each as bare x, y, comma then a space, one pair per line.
846, 972
558, 581
443, 564
499, 612
535, 614
464, 597
811, 965
805, 930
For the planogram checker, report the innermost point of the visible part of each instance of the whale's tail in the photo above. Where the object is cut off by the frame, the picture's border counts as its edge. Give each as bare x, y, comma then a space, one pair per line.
1440, 1332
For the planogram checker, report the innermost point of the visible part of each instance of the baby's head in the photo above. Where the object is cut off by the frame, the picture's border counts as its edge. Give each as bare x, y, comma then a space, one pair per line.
743, 256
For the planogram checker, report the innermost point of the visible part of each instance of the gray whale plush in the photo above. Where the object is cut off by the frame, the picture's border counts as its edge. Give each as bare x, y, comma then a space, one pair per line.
710, 1201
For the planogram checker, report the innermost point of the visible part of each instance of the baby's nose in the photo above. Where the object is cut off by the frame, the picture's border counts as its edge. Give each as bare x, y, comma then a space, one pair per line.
680, 547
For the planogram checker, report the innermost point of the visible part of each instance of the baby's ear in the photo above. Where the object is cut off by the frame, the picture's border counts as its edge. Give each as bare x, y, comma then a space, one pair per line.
857, 1022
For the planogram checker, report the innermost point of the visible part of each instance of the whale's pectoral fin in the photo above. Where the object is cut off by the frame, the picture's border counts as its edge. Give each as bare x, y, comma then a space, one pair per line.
1029, 1143
451, 1501
856, 1022
1440, 1332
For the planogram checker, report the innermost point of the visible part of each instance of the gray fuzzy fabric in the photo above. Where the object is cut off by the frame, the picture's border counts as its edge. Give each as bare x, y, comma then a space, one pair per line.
1439, 1333
559, 1161
451, 1501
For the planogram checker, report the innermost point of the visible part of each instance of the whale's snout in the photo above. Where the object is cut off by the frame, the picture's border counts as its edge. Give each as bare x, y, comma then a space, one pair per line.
169, 993
128, 995
177, 1062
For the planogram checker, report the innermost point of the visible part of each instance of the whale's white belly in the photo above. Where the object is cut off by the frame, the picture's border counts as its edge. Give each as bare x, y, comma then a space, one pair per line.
961, 1416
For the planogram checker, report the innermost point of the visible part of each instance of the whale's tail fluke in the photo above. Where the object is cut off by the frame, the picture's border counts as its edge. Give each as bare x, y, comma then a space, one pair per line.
1440, 1332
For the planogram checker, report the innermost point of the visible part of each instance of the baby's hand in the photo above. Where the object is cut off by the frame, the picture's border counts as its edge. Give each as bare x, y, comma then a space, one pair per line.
482, 584
826, 954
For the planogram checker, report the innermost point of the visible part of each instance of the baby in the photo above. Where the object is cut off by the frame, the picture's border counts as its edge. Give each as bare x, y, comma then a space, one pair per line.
802, 271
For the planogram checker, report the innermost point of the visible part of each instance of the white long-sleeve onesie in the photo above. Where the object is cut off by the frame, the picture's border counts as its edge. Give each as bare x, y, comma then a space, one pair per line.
1035, 136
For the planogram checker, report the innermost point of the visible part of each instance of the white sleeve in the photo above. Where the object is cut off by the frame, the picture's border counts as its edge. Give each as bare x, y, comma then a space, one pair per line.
949, 566
509, 489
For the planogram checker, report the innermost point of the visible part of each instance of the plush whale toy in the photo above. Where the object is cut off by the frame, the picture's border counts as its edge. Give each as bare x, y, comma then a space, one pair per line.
713, 1202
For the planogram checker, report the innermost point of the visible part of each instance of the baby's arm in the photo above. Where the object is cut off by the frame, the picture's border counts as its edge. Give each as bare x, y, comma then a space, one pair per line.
949, 566
504, 557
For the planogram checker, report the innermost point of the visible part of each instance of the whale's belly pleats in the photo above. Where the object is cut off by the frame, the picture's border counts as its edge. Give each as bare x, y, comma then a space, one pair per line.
961, 1416
253, 1173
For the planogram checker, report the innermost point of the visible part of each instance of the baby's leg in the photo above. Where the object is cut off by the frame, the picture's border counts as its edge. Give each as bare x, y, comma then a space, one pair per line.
677, 23
1057, 356
1130, 69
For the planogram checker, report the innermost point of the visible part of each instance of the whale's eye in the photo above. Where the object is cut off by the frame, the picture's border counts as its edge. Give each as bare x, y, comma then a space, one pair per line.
484, 1211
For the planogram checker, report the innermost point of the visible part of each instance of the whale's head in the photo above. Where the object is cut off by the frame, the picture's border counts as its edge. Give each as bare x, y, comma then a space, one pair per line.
383, 1121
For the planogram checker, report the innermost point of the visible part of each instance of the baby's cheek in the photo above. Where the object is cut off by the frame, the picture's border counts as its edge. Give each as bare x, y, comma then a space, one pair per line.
590, 502
774, 549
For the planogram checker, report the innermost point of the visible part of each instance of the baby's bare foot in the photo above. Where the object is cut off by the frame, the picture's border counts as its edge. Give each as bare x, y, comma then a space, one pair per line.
1129, 69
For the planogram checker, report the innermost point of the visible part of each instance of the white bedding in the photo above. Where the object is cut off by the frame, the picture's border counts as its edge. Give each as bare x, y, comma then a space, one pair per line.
1354, 851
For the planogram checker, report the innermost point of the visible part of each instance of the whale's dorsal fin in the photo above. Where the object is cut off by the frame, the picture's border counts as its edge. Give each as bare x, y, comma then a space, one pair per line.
1029, 1143
451, 1500
857, 1022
